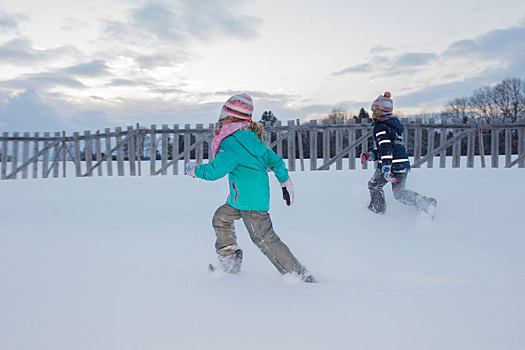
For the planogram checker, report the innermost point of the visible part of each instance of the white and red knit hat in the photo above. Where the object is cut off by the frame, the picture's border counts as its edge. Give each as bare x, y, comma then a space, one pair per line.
238, 106
383, 103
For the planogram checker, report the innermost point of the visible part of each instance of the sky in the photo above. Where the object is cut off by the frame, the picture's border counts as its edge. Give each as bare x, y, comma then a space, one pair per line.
72, 65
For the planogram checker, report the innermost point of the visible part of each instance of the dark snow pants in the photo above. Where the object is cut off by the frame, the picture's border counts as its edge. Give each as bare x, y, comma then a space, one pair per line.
405, 196
261, 232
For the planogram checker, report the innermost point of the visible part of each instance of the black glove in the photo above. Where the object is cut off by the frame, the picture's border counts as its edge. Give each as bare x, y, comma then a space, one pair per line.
288, 194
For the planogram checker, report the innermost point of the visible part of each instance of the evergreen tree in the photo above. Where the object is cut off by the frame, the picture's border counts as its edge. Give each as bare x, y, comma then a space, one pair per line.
268, 118
363, 114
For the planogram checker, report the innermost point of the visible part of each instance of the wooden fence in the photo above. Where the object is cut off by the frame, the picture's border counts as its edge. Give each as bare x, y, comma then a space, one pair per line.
137, 151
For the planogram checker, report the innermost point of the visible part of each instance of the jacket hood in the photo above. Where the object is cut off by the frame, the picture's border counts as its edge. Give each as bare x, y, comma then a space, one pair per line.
249, 140
392, 122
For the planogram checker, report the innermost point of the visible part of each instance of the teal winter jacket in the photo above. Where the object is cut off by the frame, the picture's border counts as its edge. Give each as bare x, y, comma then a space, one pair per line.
245, 159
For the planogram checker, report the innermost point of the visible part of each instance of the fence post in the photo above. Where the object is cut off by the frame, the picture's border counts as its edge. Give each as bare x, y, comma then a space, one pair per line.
443, 140
418, 138
187, 143
494, 147
364, 145
405, 132
338, 144
431, 134
508, 147
291, 145
98, 152
77, 155
109, 160
313, 144
4, 155
25, 153
521, 147
64, 158
14, 160
175, 149
35, 151
471, 147
351, 140
481, 144
199, 151
120, 152
131, 150
138, 150
456, 147
211, 126
300, 143
277, 135
326, 140
164, 149
88, 151
56, 156
153, 149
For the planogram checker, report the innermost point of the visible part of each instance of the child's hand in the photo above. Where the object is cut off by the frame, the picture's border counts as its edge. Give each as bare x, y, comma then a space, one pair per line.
370, 156
365, 156
190, 168
387, 173
288, 194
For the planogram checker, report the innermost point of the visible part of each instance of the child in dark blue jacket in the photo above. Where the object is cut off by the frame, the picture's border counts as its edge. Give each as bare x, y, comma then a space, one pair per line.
392, 161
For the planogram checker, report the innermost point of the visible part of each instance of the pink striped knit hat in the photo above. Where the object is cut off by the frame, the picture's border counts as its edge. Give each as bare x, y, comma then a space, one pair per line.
238, 106
383, 103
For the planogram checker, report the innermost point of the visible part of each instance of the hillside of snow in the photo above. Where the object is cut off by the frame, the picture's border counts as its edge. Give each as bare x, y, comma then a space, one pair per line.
121, 263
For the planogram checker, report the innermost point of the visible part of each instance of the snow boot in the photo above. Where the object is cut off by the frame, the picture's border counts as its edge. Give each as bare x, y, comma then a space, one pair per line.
378, 208
309, 279
229, 259
377, 201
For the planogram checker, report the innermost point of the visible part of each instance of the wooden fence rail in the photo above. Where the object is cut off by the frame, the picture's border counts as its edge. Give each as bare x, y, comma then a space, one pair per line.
323, 144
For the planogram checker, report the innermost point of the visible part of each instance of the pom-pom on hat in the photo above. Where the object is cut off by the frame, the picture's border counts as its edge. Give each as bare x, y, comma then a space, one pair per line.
383, 103
238, 106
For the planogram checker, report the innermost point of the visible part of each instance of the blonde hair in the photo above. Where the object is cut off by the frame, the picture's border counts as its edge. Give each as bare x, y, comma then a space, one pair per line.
257, 127
377, 114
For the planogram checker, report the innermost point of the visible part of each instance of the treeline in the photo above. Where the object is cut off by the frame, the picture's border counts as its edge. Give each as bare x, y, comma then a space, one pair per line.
503, 102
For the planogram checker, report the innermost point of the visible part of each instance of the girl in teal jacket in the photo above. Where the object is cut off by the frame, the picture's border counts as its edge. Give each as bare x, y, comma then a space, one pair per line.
239, 150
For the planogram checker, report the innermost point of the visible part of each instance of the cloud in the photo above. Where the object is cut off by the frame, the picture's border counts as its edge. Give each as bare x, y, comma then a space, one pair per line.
413, 59
27, 112
160, 21
504, 45
217, 18
359, 68
94, 68
42, 81
392, 66
54, 78
380, 49
182, 21
20, 52
10, 22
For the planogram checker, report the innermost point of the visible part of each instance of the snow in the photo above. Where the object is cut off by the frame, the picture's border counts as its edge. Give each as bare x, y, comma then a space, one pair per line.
121, 263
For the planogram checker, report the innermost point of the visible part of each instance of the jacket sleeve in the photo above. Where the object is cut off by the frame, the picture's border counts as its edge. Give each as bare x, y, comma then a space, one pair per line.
220, 166
276, 164
383, 137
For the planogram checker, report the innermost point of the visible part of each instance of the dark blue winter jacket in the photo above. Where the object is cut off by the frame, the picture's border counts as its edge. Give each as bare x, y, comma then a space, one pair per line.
388, 135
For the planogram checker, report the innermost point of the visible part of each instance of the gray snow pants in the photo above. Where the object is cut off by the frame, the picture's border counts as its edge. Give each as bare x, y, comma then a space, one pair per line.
261, 232
407, 197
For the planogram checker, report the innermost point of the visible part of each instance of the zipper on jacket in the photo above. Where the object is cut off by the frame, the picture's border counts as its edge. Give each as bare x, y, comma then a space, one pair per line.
235, 188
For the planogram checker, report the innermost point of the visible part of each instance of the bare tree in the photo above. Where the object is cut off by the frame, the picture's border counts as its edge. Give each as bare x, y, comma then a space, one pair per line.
458, 108
501, 97
338, 113
517, 98
481, 103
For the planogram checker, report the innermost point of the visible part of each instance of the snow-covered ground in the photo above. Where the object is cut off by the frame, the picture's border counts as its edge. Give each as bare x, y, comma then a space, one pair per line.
121, 263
